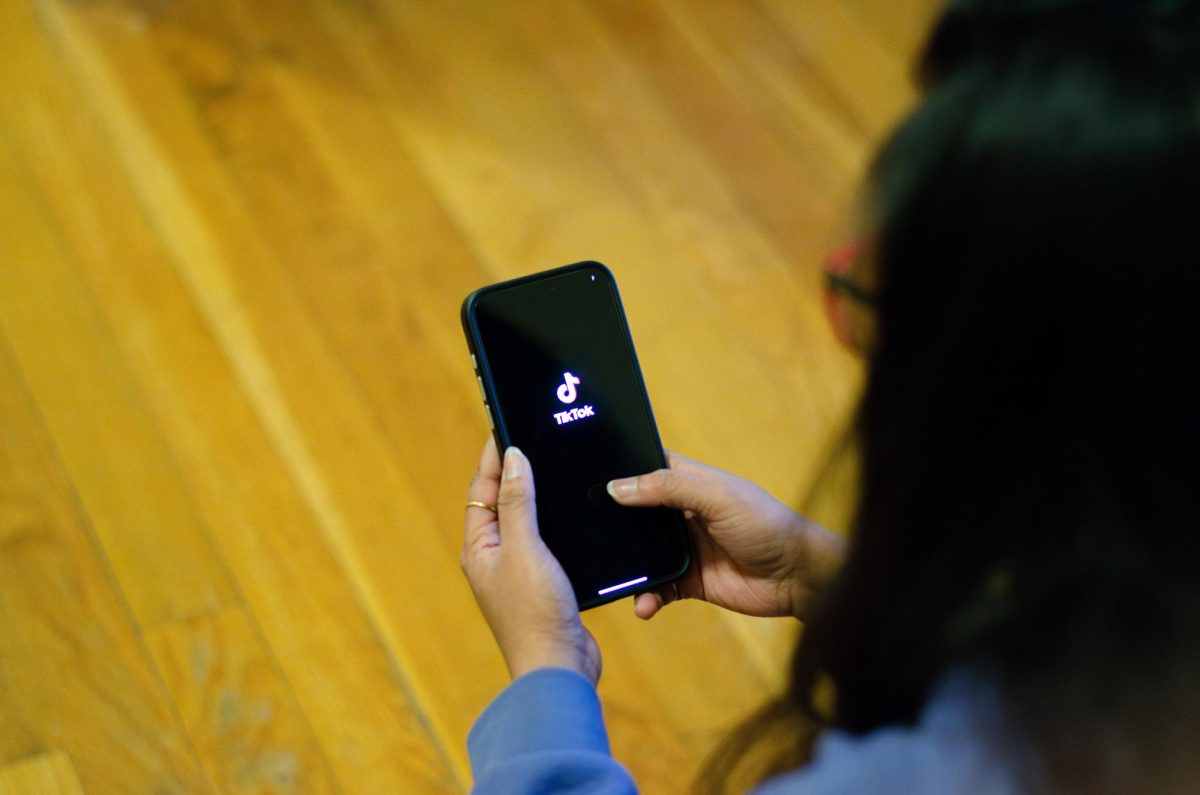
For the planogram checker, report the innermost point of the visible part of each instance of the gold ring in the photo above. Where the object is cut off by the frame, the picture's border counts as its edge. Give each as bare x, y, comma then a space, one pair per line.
484, 505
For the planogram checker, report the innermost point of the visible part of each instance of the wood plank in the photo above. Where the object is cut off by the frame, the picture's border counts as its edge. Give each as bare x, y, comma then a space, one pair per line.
246, 298
44, 271
45, 774
125, 477
74, 674
899, 28
309, 613
869, 76
241, 715
788, 171
359, 250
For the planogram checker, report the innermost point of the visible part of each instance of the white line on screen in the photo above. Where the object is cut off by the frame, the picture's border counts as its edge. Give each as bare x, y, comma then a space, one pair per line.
612, 588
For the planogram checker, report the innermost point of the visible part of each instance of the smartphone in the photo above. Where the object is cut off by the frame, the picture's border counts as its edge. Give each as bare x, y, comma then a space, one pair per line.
560, 380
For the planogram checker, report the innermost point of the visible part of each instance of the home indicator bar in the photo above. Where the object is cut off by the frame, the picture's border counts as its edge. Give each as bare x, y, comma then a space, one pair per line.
619, 586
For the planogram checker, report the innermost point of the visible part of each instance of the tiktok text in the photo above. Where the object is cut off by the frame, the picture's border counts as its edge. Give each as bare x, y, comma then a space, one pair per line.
563, 417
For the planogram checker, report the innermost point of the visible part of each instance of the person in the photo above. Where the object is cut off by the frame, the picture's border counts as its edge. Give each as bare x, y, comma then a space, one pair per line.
1017, 608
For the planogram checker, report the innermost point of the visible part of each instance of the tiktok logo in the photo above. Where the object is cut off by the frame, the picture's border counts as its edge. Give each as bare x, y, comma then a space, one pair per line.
566, 391
567, 394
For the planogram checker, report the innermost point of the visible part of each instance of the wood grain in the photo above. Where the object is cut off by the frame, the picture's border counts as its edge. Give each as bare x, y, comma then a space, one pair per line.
45, 774
241, 716
238, 420
73, 669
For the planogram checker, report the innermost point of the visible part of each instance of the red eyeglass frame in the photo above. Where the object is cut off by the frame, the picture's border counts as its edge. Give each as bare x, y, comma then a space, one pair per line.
839, 288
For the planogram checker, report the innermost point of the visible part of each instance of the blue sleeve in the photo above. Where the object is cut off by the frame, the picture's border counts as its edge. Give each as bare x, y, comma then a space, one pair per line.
545, 734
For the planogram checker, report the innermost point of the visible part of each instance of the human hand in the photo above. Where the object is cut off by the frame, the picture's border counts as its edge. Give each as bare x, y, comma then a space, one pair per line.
520, 587
751, 553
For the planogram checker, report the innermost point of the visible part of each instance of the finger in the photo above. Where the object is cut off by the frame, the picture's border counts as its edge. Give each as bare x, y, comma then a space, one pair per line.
516, 500
479, 526
485, 485
685, 490
646, 605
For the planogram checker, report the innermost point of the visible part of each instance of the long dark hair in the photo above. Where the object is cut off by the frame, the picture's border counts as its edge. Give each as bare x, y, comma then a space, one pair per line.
1030, 427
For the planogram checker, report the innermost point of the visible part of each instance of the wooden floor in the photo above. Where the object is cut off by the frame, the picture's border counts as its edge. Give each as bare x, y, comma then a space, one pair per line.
237, 418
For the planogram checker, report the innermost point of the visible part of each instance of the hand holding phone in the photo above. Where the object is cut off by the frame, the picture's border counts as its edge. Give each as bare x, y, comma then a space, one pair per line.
753, 554
520, 587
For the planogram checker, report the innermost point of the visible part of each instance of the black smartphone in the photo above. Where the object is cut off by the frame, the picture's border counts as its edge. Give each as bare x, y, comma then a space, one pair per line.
560, 380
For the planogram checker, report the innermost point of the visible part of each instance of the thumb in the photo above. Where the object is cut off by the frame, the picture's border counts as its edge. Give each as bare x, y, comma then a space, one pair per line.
516, 507
667, 487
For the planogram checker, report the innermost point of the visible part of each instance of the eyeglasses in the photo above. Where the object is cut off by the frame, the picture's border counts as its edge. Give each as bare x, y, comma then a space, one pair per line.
848, 304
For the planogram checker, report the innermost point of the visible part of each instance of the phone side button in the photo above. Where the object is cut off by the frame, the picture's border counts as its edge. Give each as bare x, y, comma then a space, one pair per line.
479, 380
474, 364
488, 410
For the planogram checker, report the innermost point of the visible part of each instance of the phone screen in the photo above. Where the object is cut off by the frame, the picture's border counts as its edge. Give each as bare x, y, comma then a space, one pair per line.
558, 365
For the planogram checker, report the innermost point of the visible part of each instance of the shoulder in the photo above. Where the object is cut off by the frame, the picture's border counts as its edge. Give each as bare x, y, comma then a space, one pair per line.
961, 743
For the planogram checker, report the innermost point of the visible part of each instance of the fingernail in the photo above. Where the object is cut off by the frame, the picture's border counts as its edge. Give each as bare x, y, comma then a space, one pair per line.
622, 489
514, 463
